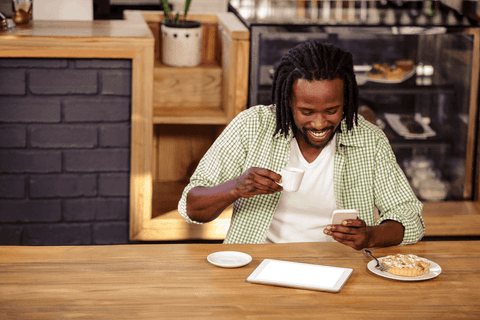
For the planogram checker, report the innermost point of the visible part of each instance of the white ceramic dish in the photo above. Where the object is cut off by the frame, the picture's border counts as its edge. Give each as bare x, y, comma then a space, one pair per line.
393, 120
229, 259
434, 271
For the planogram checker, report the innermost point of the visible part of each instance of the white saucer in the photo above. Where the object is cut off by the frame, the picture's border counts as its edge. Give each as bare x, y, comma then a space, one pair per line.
229, 259
434, 271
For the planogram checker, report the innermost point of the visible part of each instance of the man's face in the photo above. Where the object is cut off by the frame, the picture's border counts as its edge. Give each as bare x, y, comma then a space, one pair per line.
317, 109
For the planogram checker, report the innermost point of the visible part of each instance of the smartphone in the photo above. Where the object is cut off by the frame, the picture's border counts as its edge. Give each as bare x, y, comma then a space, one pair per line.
343, 214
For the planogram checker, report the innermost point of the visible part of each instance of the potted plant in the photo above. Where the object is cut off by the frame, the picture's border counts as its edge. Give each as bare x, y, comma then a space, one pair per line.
181, 38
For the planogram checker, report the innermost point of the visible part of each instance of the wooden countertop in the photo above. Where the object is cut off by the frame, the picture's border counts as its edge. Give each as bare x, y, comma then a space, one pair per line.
175, 281
130, 28
78, 39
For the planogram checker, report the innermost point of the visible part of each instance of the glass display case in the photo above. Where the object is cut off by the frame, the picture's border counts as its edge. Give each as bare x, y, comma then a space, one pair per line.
428, 110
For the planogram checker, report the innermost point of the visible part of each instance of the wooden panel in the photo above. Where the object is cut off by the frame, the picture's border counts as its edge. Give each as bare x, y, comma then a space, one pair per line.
178, 148
155, 28
233, 27
171, 226
472, 122
208, 96
187, 87
235, 64
229, 73
210, 53
452, 218
241, 77
165, 199
141, 139
192, 115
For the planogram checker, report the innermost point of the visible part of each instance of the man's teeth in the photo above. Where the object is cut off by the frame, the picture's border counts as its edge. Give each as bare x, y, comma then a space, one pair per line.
318, 134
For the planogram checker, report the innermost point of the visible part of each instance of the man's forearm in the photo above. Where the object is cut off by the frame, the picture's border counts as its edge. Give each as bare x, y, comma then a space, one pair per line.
388, 233
205, 204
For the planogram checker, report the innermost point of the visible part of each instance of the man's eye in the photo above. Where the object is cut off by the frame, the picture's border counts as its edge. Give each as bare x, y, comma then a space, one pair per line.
307, 113
331, 112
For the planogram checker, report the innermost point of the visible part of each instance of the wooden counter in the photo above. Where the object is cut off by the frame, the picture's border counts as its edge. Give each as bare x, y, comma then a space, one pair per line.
114, 39
177, 282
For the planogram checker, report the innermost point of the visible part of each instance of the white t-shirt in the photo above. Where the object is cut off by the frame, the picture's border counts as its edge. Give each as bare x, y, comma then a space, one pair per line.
301, 216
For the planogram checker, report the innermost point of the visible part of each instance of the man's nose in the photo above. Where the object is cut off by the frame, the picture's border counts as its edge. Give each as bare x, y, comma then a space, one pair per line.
319, 122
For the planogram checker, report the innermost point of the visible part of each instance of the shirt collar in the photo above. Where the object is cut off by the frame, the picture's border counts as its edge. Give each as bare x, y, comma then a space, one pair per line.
352, 138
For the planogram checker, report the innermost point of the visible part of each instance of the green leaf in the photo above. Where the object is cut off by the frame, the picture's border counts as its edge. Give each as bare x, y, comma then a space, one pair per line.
186, 7
166, 9
176, 17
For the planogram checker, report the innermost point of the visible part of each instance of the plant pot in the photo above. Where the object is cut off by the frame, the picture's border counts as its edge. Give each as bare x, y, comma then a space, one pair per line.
182, 43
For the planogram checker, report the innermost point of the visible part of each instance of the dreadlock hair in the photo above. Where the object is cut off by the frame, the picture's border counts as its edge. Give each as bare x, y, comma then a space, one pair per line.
313, 61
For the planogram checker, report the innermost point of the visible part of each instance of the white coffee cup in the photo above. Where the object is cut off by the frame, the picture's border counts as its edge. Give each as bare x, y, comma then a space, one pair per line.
291, 178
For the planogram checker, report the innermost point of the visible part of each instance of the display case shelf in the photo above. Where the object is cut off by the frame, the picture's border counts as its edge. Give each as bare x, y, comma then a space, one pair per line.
403, 89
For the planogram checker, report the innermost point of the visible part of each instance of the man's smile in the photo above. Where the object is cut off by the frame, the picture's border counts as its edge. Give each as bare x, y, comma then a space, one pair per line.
318, 135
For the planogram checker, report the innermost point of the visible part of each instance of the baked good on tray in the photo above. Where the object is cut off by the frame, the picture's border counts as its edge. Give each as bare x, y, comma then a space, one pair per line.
408, 120
408, 265
395, 72
405, 64
379, 71
376, 74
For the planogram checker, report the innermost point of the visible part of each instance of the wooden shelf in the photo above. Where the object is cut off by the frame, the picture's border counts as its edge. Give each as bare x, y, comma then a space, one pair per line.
190, 108
200, 115
213, 92
188, 95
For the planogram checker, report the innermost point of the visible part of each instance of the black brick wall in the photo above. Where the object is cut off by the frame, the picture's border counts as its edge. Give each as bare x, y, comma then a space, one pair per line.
64, 151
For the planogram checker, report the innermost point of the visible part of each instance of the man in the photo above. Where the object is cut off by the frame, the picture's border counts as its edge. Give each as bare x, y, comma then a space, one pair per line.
314, 125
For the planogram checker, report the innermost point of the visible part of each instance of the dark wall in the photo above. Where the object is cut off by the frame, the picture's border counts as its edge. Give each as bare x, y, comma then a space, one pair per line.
64, 151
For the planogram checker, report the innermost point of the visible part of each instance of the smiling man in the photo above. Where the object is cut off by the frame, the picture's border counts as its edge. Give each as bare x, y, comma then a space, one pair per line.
313, 125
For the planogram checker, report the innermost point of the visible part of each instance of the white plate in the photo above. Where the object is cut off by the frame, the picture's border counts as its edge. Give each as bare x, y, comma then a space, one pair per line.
434, 271
229, 259
393, 120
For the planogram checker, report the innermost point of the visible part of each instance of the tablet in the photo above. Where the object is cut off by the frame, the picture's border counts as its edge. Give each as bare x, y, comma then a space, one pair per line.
300, 275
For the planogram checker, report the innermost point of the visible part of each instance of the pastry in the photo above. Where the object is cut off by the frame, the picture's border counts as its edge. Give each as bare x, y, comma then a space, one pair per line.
395, 74
405, 65
376, 74
382, 67
408, 265
411, 124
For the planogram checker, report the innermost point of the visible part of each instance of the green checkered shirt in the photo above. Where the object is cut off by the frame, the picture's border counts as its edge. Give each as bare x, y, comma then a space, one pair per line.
366, 174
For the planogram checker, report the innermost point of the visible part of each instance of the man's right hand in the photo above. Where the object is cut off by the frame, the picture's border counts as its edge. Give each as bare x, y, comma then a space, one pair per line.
206, 203
256, 181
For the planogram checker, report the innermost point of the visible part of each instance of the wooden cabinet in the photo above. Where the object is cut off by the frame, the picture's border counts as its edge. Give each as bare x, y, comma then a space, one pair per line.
191, 106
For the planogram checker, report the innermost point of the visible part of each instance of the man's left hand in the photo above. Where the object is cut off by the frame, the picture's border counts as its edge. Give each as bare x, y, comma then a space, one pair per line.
352, 232
356, 234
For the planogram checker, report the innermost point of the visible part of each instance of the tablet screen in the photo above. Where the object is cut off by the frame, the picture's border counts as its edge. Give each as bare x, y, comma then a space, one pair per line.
300, 275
